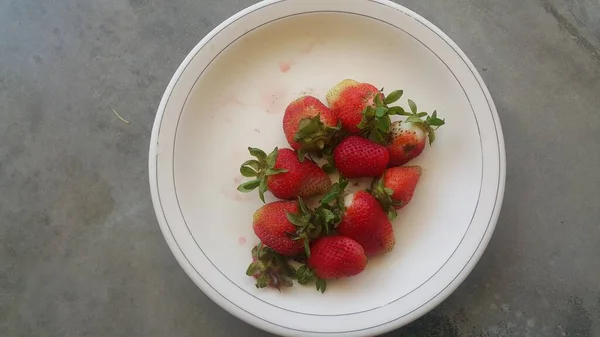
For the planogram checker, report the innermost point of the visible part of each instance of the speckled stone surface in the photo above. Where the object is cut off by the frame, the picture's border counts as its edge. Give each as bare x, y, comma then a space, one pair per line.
81, 253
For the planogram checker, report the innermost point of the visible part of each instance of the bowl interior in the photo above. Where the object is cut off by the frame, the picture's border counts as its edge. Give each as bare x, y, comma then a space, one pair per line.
239, 100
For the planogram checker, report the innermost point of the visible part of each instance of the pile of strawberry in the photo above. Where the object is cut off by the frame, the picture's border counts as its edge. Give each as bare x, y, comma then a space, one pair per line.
356, 136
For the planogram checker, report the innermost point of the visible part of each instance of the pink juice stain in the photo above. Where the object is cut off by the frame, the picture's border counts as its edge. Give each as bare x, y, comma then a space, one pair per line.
241, 240
284, 67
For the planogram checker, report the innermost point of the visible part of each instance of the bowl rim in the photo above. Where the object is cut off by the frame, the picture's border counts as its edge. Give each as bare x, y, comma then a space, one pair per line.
221, 300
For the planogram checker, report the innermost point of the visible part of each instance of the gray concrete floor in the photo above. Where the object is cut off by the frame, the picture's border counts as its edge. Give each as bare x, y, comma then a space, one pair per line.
81, 253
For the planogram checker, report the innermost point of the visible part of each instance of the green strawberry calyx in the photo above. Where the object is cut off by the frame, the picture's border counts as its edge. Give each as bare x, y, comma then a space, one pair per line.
259, 169
384, 196
312, 224
270, 268
376, 123
305, 275
314, 136
429, 124
334, 199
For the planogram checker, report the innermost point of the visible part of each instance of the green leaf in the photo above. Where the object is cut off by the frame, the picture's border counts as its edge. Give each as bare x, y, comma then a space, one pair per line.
254, 164
308, 127
392, 214
393, 96
249, 186
436, 122
262, 188
296, 219
258, 153
328, 168
307, 247
321, 285
369, 111
303, 207
272, 172
272, 157
343, 183
384, 124
329, 197
327, 215
253, 268
431, 137
413, 106
422, 114
377, 99
434, 114
334, 192
301, 155
364, 122
414, 119
380, 111
262, 281
388, 190
377, 137
396, 110
304, 275
248, 171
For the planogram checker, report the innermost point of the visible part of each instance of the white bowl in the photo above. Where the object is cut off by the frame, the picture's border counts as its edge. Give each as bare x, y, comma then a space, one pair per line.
230, 92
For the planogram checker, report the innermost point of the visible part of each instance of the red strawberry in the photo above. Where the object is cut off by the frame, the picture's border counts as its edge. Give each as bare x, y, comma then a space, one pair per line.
270, 268
271, 225
357, 157
308, 124
335, 257
282, 173
395, 188
362, 108
348, 99
365, 221
406, 140
332, 257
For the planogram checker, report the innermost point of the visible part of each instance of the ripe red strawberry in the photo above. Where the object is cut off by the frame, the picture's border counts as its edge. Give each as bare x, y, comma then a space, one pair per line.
362, 108
395, 188
348, 99
332, 257
282, 173
308, 124
271, 225
406, 140
357, 157
335, 257
365, 221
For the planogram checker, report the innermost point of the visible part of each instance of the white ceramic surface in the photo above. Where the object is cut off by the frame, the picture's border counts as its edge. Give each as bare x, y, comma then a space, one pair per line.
230, 92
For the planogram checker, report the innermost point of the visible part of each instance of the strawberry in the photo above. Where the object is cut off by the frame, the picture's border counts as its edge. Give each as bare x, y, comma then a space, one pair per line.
362, 108
406, 139
395, 188
282, 173
271, 225
348, 99
357, 157
309, 125
332, 257
270, 268
365, 221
